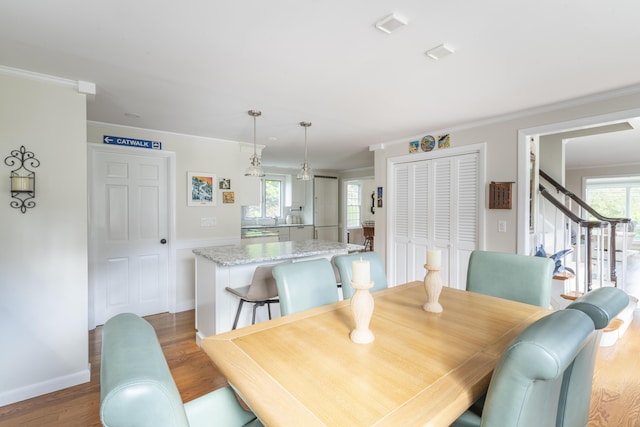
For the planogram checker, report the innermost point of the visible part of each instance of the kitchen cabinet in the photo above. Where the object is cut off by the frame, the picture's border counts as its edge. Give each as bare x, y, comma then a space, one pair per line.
283, 233
303, 232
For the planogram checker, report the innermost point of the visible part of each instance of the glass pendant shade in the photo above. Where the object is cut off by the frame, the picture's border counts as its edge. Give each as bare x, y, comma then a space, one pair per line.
254, 169
305, 173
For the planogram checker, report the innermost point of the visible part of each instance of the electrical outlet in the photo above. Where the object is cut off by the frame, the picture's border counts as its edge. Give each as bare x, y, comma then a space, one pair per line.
502, 226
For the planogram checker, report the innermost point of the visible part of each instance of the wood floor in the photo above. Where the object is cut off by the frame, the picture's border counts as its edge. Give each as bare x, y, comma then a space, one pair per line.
615, 399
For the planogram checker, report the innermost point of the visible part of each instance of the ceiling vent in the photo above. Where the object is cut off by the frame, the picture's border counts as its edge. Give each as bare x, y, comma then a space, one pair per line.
390, 23
439, 52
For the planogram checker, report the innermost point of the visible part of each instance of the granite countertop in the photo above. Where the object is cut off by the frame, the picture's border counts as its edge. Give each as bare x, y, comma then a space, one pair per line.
230, 255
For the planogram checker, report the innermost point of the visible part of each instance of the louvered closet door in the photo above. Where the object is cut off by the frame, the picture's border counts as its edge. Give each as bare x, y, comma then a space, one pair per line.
436, 206
465, 236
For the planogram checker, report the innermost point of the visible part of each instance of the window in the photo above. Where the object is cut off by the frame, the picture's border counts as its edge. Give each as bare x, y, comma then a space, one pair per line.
616, 198
354, 205
271, 199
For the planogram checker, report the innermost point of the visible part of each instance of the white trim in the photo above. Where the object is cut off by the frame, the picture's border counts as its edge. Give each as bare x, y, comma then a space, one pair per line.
82, 86
163, 132
44, 387
576, 102
522, 238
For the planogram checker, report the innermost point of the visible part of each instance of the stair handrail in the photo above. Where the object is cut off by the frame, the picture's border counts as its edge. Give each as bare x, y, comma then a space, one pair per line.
581, 202
589, 225
613, 222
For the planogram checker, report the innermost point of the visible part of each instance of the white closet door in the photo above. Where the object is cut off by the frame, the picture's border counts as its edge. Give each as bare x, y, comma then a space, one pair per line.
435, 206
466, 233
442, 206
400, 242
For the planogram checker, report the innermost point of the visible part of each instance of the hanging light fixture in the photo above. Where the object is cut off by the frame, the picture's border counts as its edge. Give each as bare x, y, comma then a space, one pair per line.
255, 169
305, 172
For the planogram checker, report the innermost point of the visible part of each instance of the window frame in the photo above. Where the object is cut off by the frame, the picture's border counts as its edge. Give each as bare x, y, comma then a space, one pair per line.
263, 194
359, 205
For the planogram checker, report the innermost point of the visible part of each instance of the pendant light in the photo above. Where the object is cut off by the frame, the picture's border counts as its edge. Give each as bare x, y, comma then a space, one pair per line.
305, 172
255, 169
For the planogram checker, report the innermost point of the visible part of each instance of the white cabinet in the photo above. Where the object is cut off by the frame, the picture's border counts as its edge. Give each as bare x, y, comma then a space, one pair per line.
435, 205
303, 232
298, 193
283, 233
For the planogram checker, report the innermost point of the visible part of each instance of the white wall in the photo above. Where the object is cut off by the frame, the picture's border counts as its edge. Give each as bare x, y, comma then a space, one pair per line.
43, 256
501, 136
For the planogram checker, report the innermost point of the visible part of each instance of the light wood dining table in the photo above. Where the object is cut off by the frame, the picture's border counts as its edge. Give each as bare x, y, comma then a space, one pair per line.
422, 368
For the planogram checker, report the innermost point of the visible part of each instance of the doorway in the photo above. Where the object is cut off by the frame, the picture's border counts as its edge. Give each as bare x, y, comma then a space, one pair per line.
130, 232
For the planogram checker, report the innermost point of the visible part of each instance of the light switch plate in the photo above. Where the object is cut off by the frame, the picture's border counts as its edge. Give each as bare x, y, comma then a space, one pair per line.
208, 221
502, 226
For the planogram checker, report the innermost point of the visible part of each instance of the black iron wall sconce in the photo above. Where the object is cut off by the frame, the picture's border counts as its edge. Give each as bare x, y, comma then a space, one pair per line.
23, 179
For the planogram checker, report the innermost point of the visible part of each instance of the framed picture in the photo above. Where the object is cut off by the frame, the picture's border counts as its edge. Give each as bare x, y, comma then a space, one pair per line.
228, 197
200, 189
225, 184
413, 146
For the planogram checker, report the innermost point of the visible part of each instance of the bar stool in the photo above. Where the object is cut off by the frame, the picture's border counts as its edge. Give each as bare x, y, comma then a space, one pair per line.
368, 228
261, 291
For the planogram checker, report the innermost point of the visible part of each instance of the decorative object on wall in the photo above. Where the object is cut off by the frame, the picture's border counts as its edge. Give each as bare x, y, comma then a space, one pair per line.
500, 195
228, 197
379, 197
255, 169
200, 189
373, 202
444, 141
305, 171
23, 179
427, 143
225, 184
413, 146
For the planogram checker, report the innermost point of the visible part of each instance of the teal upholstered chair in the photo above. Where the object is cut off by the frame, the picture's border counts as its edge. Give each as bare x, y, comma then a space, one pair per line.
305, 284
343, 263
602, 306
137, 389
514, 277
526, 384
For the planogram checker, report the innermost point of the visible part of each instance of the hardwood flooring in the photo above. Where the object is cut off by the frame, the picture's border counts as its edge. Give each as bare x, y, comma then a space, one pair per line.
615, 398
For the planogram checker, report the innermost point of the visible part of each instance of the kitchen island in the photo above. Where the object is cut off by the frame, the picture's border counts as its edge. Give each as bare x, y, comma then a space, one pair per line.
233, 265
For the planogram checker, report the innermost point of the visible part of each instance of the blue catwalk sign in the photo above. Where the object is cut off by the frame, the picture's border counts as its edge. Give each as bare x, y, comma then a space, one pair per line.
129, 142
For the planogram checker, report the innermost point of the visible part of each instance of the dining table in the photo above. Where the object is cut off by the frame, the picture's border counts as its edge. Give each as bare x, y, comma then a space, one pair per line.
422, 368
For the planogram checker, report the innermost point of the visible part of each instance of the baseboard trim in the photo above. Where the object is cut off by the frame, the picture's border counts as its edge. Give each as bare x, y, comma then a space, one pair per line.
49, 386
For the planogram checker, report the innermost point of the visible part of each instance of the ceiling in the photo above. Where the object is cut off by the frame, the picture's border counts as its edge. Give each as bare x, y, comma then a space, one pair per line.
196, 67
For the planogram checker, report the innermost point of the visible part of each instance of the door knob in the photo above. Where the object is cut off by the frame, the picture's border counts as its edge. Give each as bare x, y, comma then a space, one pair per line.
163, 241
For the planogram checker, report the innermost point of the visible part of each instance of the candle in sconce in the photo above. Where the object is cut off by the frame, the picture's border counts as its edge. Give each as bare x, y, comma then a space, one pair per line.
434, 258
360, 271
20, 183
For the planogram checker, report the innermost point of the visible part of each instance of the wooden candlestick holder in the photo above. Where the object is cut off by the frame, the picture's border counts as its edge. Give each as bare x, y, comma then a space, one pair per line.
433, 287
362, 309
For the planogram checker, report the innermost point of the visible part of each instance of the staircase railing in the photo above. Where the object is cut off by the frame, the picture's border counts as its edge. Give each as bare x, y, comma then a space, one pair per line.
582, 224
610, 223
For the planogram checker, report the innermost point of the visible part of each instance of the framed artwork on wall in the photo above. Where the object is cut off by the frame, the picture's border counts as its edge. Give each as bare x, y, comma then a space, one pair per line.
201, 190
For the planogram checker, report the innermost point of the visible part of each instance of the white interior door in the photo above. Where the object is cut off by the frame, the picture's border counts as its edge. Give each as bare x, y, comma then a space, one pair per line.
129, 229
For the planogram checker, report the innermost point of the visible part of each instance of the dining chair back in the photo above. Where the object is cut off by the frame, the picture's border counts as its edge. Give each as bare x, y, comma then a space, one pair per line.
526, 384
261, 291
514, 277
602, 305
305, 284
344, 263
